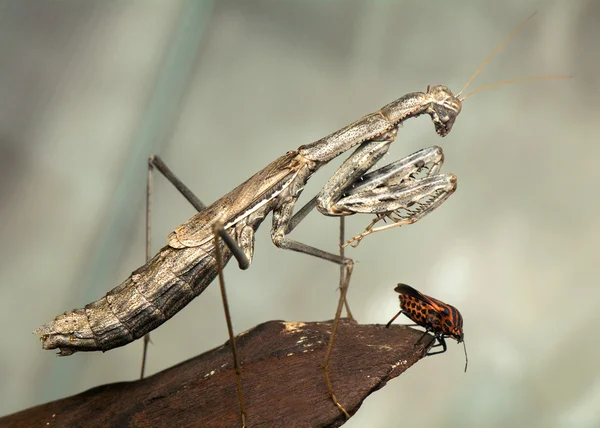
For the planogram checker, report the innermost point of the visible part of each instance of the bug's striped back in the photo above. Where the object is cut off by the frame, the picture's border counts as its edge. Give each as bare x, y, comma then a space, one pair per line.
433, 314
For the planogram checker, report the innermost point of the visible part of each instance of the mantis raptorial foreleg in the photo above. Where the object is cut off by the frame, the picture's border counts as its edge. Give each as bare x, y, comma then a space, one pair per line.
397, 201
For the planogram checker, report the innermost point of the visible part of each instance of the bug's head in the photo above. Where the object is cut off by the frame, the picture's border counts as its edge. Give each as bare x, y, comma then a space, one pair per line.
454, 329
443, 108
458, 334
456, 326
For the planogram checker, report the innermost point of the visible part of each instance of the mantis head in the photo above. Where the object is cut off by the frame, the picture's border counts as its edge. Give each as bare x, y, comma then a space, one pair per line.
443, 108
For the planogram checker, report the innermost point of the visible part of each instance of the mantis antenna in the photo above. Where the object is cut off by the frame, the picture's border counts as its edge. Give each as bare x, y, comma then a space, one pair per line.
484, 63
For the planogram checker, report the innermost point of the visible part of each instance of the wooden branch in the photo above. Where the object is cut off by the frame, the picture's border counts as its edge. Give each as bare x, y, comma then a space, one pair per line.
282, 378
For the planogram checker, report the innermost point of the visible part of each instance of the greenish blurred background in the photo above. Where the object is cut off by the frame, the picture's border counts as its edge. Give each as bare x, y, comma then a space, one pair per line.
88, 90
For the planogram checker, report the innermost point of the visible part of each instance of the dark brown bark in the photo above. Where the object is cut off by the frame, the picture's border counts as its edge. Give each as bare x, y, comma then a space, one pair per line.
282, 378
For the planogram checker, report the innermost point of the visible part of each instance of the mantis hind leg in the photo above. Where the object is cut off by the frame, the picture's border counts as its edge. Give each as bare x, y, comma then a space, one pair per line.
156, 162
241, 254
219, 232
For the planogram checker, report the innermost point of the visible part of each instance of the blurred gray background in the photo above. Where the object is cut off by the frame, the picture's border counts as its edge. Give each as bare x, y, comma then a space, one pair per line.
88, 90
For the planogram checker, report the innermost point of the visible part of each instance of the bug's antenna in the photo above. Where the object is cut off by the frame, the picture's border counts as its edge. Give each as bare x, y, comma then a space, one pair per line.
483, 64
466, 358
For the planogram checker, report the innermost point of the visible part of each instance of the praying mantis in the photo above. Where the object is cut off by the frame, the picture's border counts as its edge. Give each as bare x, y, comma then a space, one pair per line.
194, 255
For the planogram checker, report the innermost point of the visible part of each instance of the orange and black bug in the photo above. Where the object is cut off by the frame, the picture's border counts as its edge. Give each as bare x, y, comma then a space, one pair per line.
441, 319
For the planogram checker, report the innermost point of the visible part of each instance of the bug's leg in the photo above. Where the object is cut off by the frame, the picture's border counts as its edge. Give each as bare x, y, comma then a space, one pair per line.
393, 318
404, 325
442, 343
218, 232
156, 162
422, 336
